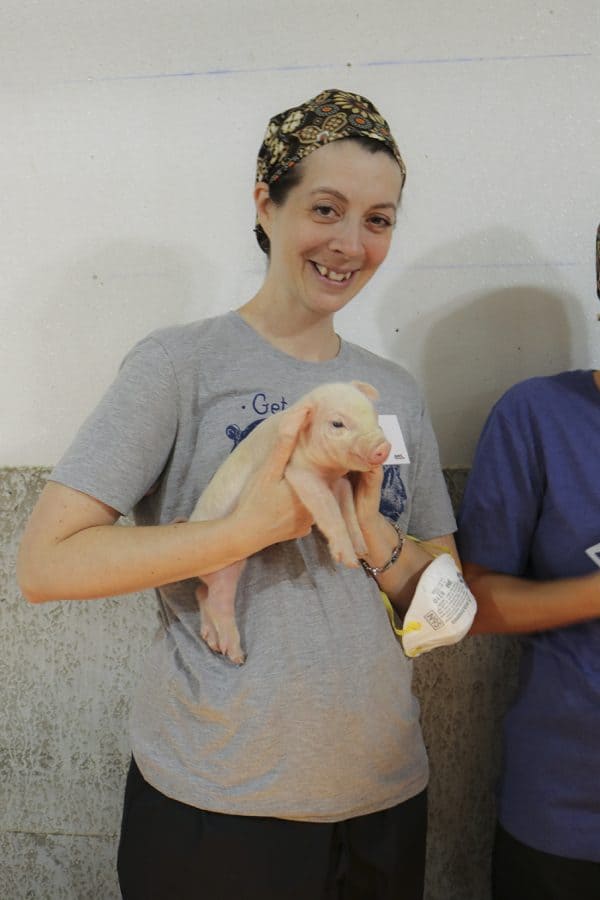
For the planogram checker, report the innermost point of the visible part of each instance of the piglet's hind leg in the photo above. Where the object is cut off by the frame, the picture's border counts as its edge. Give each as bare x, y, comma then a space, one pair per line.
216, 601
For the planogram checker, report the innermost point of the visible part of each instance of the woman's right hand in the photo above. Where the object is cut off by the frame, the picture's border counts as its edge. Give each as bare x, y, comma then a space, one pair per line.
268, 506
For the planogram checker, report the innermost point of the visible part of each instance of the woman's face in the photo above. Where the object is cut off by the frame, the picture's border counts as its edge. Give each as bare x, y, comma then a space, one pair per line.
334, 228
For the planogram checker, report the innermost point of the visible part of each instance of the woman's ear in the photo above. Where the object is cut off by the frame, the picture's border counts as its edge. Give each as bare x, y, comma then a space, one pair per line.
263, 204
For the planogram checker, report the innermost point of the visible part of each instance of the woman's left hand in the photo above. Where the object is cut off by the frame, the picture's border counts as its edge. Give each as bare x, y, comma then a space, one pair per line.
367, 497
400, 580
378, 532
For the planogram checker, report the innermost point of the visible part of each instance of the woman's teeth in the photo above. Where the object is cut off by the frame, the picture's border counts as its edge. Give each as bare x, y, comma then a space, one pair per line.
331, 275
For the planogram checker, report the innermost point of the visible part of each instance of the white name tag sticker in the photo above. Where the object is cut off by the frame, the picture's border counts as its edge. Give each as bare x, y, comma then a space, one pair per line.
398, 455
594, 554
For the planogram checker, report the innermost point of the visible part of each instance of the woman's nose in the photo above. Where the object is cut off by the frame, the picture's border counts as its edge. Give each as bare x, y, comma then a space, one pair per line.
347, 238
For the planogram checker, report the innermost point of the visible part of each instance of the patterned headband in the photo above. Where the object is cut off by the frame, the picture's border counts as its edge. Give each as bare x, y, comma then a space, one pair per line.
295, 133
333, 114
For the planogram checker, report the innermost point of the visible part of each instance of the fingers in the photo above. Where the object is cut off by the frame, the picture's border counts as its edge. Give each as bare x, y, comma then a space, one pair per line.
369, 483
367, 494
268, 500
304, 523
290, 425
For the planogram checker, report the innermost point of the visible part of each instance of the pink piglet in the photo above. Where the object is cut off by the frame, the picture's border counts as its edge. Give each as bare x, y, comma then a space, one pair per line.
340, 434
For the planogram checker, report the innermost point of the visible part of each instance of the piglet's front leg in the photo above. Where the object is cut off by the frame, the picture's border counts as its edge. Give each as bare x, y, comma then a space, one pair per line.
315, 493
344, 494
216, 601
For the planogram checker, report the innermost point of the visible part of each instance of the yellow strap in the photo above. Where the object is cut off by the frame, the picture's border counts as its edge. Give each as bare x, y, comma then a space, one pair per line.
429, 547
409, 626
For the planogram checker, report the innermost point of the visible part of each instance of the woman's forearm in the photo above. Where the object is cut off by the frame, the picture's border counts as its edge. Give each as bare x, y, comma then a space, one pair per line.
104, 560
399, 582
72, 549
510, 605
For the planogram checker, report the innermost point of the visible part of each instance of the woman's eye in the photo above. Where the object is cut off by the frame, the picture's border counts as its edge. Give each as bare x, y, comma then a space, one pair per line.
338, 424
324, 210
380, 222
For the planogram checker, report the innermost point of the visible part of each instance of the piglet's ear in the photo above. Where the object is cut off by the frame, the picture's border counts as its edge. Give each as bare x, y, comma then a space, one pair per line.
367, 389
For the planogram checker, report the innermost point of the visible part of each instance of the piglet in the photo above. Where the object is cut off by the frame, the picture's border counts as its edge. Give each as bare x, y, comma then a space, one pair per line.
340, 433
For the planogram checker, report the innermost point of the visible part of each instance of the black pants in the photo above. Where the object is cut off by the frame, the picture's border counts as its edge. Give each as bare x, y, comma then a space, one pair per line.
521, 873
171, 851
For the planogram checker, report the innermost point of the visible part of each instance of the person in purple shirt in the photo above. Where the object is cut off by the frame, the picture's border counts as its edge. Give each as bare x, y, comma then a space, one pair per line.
529, 536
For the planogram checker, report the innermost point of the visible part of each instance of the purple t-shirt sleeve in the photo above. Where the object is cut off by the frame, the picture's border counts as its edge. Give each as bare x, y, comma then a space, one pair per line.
121, 449
501, 505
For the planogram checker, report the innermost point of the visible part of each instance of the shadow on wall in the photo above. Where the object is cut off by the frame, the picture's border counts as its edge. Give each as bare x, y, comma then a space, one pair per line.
468, 350
482, 348
80, 320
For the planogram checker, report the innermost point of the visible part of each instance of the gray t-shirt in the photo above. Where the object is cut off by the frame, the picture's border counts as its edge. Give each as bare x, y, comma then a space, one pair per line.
320, 723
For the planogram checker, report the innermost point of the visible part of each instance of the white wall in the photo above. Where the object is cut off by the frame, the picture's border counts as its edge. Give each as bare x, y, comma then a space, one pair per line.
129, 133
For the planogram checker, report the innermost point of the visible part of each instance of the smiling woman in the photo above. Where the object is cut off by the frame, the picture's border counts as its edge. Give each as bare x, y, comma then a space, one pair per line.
328, 238
306, 765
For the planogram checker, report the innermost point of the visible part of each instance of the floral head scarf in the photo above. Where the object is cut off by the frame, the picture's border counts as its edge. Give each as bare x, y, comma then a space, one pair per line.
295, 133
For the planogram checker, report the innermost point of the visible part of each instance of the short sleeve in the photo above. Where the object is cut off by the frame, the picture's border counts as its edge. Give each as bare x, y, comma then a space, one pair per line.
501, 505
121, 450
431, 511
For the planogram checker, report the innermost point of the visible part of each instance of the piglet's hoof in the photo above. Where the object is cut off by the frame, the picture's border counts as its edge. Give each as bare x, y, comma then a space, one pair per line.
360, 547
343, 552
223, 638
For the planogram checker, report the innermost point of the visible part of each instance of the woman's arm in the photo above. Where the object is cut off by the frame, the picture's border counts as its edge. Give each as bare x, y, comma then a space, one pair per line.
71, 549
510, 605
399, 582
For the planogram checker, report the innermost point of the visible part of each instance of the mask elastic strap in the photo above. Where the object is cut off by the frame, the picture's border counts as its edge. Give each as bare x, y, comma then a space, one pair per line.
434, 550
410, 626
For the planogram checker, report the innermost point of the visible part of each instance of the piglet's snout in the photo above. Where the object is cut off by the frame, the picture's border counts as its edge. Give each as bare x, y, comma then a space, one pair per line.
380, 453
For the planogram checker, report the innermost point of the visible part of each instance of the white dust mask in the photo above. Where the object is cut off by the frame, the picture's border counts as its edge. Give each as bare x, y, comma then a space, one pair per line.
441, 611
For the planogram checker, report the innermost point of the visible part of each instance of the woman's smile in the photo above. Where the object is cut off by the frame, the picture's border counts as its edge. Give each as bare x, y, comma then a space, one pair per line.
333, 276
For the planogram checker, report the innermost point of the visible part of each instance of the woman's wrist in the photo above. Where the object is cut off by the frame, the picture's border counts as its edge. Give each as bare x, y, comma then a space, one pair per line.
384, 540
374, 570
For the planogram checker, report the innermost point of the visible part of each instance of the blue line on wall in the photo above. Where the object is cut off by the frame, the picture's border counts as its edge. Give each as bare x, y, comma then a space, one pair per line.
212, 73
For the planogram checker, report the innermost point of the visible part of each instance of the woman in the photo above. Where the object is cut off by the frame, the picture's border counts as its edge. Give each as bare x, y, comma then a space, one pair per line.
301, 774
529, 538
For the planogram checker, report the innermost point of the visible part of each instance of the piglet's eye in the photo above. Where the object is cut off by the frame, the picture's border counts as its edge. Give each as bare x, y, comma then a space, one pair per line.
338, 424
